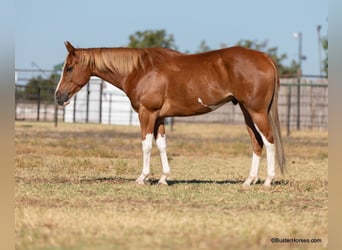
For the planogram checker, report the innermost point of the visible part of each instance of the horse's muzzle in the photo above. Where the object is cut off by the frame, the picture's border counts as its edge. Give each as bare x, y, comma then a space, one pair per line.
61, 98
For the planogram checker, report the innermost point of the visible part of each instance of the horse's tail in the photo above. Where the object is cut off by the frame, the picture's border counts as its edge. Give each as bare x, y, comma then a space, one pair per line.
275, 124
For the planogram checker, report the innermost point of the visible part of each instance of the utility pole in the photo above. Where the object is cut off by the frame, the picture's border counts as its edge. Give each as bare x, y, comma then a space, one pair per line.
299, 73
34, 64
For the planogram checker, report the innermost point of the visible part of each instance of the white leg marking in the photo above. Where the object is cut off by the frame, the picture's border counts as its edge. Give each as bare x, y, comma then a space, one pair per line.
146, 148
253, 174
270, 153
161, 144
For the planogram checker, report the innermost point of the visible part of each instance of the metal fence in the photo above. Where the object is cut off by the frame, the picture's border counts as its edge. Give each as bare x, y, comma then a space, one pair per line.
301, 106
307, 110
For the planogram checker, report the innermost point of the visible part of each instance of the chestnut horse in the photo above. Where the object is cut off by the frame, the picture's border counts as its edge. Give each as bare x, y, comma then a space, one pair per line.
163, 83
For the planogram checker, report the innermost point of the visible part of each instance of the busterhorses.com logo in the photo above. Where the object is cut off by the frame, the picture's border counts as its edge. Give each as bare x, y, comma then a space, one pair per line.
295, 240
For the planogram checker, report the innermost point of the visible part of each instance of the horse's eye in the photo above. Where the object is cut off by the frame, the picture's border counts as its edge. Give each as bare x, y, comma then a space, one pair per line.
69, 69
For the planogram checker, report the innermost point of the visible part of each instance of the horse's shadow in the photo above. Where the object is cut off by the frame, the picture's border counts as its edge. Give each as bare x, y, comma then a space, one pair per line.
221, 182
154, 181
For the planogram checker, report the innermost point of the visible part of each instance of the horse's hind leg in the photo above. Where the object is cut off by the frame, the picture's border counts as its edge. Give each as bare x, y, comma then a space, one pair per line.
257, 146
267, 138
257, 149
260, 131
264, 128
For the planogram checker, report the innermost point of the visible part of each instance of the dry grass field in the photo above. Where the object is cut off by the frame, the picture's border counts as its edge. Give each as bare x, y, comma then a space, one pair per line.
75, 189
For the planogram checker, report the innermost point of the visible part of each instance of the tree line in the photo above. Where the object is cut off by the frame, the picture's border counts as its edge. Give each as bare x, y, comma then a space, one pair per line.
160, 38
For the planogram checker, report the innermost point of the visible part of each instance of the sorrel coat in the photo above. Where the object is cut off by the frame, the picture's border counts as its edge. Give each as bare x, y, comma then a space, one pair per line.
163, 83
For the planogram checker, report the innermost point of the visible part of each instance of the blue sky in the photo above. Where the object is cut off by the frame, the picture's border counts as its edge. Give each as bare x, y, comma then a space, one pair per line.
42, 26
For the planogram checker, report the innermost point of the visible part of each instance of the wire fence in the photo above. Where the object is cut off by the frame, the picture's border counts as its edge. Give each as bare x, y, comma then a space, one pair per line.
301, 105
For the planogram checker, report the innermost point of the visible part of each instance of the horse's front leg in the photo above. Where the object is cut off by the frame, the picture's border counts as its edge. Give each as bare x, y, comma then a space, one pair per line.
147, 124
161, 144
146, 148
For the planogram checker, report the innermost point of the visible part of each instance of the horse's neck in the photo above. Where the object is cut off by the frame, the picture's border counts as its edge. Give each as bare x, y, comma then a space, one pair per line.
110, 77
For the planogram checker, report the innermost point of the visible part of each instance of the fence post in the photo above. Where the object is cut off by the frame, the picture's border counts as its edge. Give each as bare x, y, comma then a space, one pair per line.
288, 120
63, 114
298, 104
38, 103
130, 116
15, 101
172, 123
74, 110
101, 91
56, 115
87, 111
110, 109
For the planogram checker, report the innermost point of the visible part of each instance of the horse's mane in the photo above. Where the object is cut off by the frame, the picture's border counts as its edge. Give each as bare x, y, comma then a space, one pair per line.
121, 60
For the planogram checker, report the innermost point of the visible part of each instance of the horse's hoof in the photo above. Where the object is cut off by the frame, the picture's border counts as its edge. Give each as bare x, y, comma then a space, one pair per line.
140, 180
246, 185
255, 180
250, 180
268, 182
163, 183
140, 183
267, 185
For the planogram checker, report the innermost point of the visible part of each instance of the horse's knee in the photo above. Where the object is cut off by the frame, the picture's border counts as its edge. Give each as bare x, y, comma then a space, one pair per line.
147, 143
265, 131
161, 142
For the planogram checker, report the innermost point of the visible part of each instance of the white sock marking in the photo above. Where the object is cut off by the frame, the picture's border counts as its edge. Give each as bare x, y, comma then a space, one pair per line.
161, 144
146, 148
270, 154
255, 165
253, 174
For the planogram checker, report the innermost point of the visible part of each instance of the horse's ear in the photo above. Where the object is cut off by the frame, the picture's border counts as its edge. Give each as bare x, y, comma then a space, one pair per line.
69, 47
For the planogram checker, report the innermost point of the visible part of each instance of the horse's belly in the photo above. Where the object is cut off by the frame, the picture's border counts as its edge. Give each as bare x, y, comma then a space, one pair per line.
189, 108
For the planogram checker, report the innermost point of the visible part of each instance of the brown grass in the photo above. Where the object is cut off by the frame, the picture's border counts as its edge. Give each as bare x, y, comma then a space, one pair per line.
75, 190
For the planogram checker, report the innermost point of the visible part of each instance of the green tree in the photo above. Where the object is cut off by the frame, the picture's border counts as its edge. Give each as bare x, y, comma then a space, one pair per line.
152, 38
58, 67
203, 47
325, 48
43, 87
284, 70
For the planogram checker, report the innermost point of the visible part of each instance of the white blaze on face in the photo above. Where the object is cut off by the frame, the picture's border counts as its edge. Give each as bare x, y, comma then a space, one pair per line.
59, 83
60, 79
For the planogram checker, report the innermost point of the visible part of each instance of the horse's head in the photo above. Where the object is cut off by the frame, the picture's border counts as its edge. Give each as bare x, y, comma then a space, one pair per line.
74, 76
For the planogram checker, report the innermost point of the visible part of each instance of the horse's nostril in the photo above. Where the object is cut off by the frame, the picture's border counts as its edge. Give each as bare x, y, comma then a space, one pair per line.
60, 98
